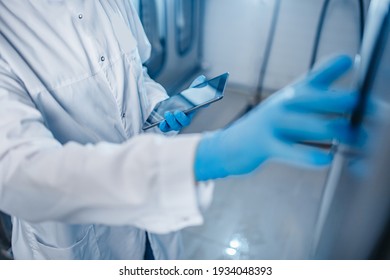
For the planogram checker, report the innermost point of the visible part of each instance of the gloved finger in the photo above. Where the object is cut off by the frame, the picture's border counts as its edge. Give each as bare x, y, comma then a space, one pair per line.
329, 103
330, 71
182, 118
304, 155
172, 122
164, 127
198, 80
312, 128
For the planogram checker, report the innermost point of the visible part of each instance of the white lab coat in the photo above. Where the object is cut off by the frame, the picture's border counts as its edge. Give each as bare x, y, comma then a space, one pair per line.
76, 173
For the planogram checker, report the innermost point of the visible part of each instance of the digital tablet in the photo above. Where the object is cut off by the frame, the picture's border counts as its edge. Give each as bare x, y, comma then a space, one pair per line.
189, 99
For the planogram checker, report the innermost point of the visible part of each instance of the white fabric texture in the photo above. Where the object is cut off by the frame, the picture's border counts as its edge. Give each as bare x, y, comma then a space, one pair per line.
77, 173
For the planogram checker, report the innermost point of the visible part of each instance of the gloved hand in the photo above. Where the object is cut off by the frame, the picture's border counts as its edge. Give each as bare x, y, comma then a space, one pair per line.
177, 120
305, 111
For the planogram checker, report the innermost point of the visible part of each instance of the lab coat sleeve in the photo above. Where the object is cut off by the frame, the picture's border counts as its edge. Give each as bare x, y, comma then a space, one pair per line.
154, 91
147, 181
154, 94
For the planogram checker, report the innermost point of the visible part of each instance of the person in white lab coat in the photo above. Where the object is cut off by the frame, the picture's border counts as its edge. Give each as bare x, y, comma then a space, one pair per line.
78, 175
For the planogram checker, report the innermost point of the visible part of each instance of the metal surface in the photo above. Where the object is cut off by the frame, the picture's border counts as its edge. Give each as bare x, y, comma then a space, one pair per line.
356, 206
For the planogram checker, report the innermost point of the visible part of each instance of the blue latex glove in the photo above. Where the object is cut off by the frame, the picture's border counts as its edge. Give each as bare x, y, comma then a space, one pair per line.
177, 120
300, 112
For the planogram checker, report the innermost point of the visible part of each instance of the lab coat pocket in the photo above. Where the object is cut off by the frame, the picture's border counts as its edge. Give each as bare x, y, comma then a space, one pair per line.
84, 249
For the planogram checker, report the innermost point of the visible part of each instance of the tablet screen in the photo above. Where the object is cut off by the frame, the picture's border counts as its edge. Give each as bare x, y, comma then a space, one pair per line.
189, 99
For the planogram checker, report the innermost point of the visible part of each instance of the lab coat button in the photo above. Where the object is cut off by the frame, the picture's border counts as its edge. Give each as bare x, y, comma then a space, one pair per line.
123, 115
81, 16
102, 58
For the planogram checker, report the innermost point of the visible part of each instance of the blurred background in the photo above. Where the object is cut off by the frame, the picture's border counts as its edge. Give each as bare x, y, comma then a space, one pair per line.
264, 44
280, 211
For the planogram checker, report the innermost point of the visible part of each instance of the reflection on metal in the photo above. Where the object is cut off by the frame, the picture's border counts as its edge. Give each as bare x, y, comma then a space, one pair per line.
327, 198
153, 17
238, 245
184, 20
230, 251
180, 68
355, 213
174, 29
235, 243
